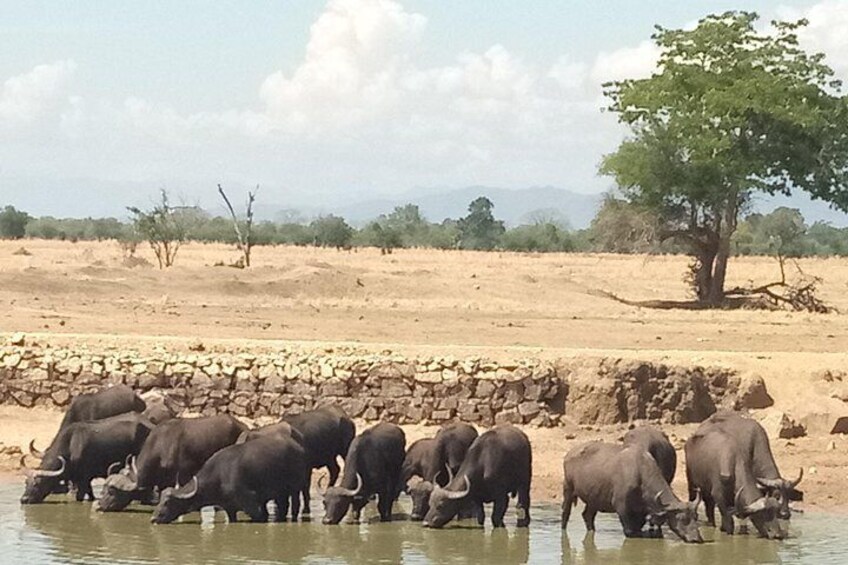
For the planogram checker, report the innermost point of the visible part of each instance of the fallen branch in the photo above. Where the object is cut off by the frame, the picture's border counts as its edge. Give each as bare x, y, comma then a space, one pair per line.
799, 295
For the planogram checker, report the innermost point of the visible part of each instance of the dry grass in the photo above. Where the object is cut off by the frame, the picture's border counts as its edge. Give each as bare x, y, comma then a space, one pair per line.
412, 297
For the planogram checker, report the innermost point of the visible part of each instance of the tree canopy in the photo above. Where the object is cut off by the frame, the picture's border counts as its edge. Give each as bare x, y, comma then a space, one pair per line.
730, 111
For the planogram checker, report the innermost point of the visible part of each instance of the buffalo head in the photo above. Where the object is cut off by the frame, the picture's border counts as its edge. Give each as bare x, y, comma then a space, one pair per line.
764, 513
44, 480
174, 502
784, 491
420, 494
445, 504
337, 501
119, 489
681, 517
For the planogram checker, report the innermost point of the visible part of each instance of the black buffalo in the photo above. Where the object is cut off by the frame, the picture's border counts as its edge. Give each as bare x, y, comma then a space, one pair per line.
83, 451
499, 464
722, 472
372, 466
243, 477
174, 452
327, 433
655, 442
753, 440
118, 399
625, 480
429, 459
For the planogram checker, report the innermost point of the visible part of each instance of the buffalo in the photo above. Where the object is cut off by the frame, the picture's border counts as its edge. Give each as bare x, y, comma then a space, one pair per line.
243, 477
105, 403
499, 464
83, 451
372, 466
174, 452
279, 429
655, 442
754, 441
429, 459
721, 470
327, 433
625, 480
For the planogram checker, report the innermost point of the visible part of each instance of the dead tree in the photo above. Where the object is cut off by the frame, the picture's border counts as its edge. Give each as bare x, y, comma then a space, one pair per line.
799, 295
244, 238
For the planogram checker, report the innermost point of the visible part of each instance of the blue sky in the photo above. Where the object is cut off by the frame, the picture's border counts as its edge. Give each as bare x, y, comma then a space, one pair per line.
103, 102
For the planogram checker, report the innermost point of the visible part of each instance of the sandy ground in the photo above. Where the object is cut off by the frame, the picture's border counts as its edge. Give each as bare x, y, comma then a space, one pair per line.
825, 470
435, 302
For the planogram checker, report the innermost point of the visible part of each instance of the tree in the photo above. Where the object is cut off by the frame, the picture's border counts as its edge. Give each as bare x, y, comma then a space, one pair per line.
163, 227
376, 235
243, 228
479, 229
331, 231
622, 227
731, 111
13, 223
546, 237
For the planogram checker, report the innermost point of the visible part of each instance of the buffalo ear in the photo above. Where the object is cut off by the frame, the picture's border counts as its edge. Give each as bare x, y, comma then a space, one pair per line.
796, 495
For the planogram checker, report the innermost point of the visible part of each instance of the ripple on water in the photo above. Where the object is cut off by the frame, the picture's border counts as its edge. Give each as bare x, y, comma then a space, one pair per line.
63, 531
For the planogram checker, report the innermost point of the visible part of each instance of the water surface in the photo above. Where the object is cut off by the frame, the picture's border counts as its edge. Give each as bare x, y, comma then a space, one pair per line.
64, 531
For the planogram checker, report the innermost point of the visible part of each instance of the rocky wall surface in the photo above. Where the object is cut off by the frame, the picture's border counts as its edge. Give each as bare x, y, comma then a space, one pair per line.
380, 386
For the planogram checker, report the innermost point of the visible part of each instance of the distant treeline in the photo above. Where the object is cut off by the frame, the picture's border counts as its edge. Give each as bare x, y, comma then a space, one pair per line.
618, 227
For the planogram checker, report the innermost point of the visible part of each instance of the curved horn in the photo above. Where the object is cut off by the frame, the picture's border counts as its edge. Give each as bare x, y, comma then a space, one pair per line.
187, 495
769, 483
794, 483
133, 468
698, 498
57, 473
113, 468
737, 506
354, 492
658, 499
450, 473
460, 493
35, 452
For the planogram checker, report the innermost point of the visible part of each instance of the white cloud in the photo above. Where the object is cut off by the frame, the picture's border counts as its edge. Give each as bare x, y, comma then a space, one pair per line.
827, 31
628, 62
31, 95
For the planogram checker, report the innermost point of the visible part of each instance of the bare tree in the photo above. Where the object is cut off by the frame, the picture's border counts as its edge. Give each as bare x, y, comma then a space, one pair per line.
244, 237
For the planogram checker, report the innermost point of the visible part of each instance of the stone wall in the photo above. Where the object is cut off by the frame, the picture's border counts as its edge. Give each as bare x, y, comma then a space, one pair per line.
380, 386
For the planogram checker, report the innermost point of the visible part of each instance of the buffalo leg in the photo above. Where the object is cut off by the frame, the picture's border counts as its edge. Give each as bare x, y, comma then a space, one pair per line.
232, 515
499, 510
523, 506
305, 493
478, 510
709, 509
357, 506
334, 469
384, 504
257, 511
282, 503
631, 524
295, 506
589, 518
727, 525
568, 500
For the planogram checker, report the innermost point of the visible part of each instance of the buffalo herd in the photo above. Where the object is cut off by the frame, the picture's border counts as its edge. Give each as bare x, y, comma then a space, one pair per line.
179, 465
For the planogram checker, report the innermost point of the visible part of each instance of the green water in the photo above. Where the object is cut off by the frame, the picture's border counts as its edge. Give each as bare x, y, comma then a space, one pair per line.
64, 531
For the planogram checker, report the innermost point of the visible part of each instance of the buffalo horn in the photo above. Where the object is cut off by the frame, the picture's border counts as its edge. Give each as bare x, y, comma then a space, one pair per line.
794, 483
450, 474
769, 483
321, 488
113, 468
187, 495
133, 468
57, 473
697, 498
460, 493
35, 452
354, 492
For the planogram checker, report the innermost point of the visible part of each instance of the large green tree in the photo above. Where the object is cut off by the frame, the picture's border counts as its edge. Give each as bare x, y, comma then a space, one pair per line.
731, 111
479, 229
13, 223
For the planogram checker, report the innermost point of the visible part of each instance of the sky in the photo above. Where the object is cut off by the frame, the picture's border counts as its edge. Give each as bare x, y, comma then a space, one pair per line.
103, 102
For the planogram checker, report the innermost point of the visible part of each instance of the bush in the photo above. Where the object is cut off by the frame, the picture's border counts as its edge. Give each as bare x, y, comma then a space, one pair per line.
13, 223
545, 237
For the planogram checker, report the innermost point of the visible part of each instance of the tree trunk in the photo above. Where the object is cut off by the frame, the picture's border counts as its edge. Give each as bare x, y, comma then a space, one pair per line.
716, 293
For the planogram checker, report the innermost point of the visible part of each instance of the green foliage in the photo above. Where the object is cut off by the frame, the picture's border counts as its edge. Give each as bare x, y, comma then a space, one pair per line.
47, 227
730, 112
479, 229
164, 228
375, 235
331, 231
541, 237
13, 223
